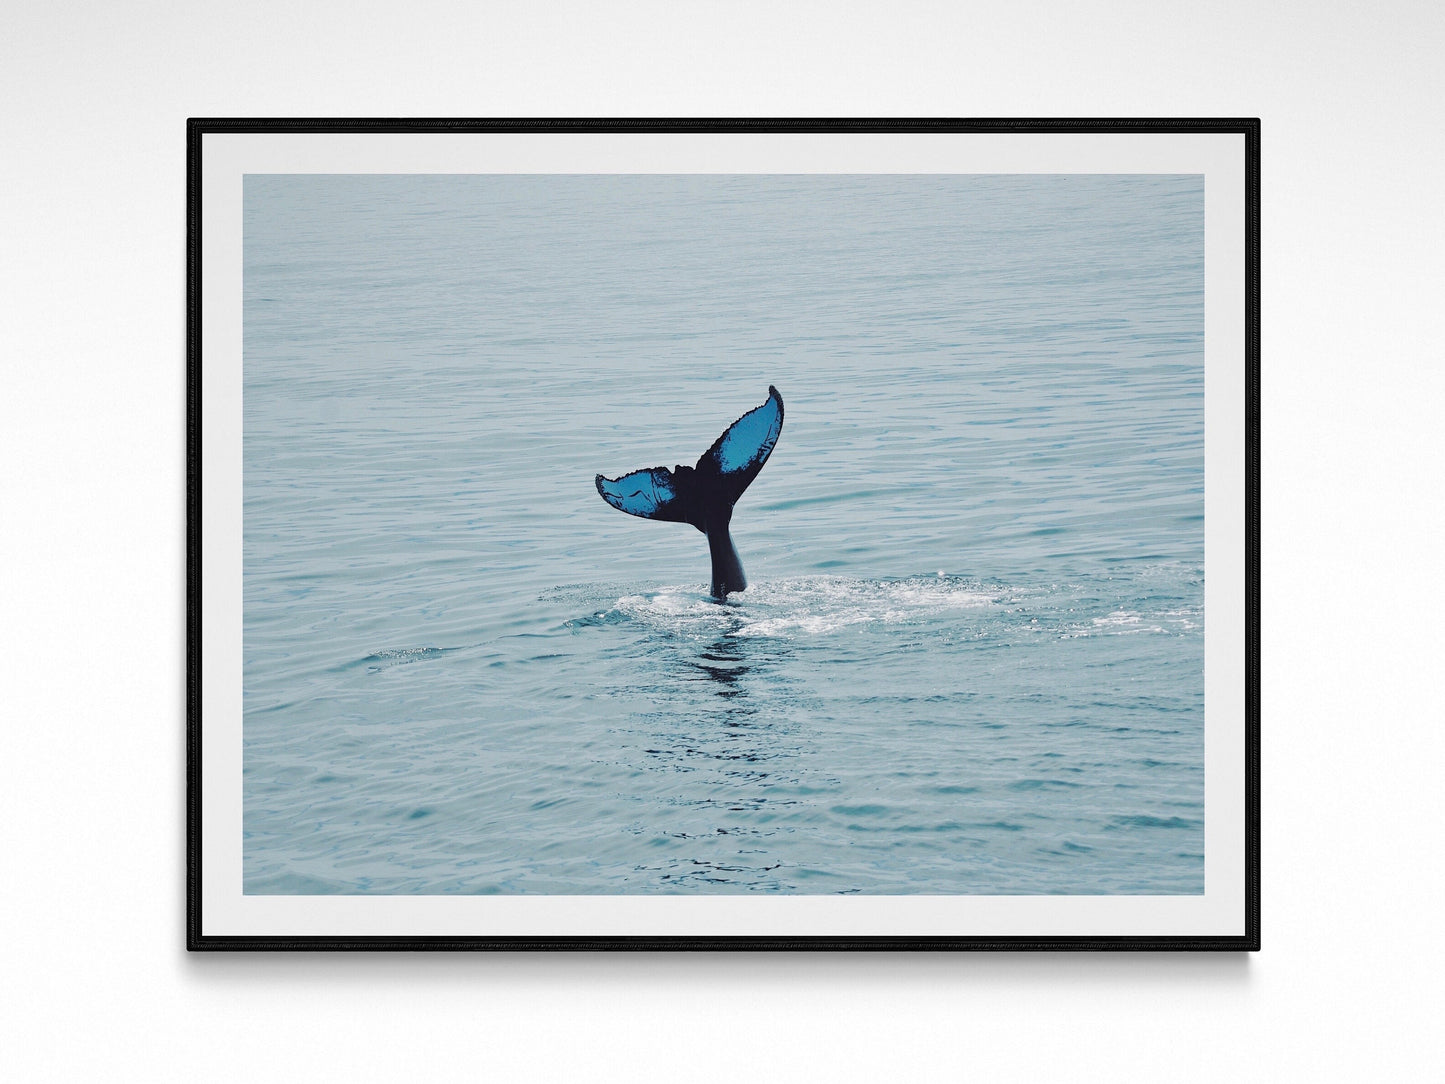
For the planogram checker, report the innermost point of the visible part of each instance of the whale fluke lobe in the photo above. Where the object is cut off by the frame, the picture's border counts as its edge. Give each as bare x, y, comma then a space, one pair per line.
704, 495
650, 493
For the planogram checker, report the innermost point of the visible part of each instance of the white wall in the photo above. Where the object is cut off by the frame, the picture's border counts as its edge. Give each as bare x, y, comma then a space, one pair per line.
95, 983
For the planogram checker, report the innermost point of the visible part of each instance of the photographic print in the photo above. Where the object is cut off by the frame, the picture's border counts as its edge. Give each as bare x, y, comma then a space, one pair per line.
930, 619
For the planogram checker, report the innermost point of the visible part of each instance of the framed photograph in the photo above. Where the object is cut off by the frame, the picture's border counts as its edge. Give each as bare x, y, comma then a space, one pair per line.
621, 534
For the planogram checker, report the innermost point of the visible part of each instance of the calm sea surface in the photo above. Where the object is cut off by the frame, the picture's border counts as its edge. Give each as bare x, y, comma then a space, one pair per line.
971, 657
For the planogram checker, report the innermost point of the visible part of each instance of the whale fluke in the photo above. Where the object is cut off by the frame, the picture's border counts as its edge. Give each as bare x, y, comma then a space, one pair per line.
704, 495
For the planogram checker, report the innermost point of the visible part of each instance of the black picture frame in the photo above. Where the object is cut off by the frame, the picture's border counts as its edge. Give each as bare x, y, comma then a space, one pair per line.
207, 937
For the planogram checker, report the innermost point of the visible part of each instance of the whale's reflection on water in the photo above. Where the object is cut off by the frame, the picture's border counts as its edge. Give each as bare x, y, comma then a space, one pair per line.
724, 718
725, 663
722, 766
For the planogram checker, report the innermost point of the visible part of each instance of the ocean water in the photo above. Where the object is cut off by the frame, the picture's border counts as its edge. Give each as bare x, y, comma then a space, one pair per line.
971, 656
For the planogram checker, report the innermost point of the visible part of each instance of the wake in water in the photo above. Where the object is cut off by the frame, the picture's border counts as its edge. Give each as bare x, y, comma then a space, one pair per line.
817, 609
796, 607
810, 606
816, 606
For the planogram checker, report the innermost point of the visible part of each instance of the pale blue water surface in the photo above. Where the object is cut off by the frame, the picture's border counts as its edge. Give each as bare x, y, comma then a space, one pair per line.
971, 657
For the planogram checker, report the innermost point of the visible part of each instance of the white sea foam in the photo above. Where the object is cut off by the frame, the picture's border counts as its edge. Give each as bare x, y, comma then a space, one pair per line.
804, 606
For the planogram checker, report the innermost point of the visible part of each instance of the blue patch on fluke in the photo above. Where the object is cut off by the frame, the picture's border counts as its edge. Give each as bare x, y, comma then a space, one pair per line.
641, 493
750, 439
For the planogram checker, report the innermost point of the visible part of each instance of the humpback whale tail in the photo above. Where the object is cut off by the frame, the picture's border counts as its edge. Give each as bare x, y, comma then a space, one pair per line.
704, 495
